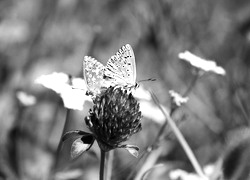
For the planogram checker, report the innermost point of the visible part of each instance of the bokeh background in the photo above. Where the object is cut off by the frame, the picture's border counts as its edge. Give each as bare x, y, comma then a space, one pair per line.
44, 36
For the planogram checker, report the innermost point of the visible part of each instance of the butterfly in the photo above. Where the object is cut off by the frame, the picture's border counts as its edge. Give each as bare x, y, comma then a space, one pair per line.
119, 71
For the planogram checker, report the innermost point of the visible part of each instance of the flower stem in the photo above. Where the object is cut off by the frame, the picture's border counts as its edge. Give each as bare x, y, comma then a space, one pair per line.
191, 85
109, 164
57, 156
181, 139
163, 127
198, 74
102, 165
243, 110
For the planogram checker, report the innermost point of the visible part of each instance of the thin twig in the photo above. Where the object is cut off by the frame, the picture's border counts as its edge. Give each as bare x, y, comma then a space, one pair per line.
181, 139
66, 124
163, 127
192, 84
242, 108
161, 131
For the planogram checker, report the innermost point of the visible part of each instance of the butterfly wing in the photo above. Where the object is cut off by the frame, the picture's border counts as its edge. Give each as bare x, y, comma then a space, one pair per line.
121, 68
93, 72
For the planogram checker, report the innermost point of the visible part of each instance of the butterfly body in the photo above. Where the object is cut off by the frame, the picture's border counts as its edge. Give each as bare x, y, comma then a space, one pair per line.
119, 71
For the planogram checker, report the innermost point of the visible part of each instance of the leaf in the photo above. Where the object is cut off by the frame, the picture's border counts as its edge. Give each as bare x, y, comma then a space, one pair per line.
132, 149
74, 134
81, 145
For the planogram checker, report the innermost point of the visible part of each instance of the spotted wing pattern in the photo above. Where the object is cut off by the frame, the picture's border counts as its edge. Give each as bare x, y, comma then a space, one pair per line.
121, 68
93, 72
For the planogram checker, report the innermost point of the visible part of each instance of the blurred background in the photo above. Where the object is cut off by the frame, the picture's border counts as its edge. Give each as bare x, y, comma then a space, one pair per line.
44, 36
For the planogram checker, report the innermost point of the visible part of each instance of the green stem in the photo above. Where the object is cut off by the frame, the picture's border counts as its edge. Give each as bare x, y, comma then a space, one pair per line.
163, 127
244, 112
188, 90
192, 84
161, 131
102, 165
66, 124
181, 139
109, 164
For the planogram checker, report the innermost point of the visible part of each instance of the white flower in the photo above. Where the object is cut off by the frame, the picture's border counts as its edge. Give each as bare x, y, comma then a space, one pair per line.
179, 174
71, 90
202, 64
26, 99
142, 94
150, 111
177, 99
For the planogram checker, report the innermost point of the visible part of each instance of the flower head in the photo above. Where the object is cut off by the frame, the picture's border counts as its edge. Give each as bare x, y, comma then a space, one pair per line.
114, 118
177, 99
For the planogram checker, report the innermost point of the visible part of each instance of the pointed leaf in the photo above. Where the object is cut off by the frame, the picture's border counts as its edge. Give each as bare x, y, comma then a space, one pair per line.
74, 134
81, 145
133, 150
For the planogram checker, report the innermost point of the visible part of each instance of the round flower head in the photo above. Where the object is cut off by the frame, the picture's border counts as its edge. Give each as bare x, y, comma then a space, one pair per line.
114, 118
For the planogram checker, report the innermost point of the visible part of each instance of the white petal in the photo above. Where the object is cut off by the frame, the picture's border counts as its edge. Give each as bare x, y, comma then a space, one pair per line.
73, 95
150, 111
55, 81
177, 98
202, 64
26, 99
142, 94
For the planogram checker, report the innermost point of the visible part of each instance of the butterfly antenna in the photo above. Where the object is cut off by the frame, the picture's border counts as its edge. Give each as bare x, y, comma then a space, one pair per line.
77, 88
150, 79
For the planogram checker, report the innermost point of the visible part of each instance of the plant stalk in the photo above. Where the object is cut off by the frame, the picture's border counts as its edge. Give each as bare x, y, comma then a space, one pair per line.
102, 165
109, 164
66, 124
192, 84
181, 139
163, 127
